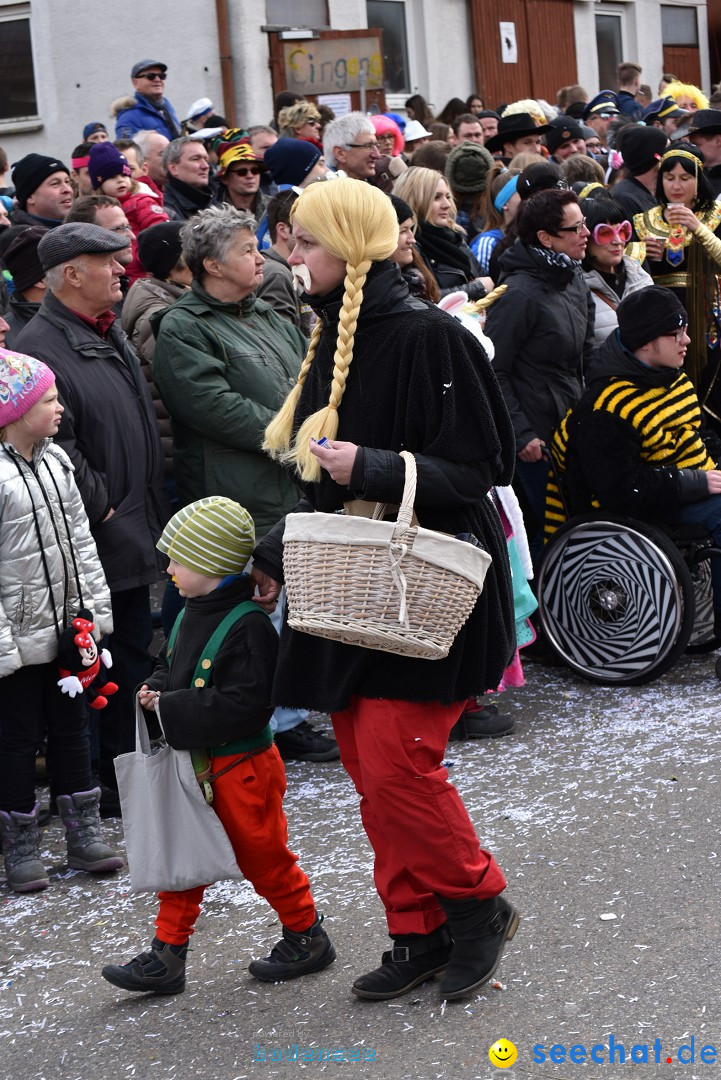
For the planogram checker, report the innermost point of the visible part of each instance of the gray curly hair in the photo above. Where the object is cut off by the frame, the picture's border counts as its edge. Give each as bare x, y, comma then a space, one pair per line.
210, 233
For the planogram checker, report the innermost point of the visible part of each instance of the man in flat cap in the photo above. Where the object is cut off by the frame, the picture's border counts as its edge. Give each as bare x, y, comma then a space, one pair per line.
110, 432
150, 110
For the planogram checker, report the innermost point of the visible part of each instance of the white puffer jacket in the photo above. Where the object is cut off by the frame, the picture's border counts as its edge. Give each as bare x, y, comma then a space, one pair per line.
28, 495
606, 318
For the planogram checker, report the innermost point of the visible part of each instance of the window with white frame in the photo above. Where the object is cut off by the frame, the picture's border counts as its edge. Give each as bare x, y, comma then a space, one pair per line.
390, 17
18, 99
609, 47
679, 25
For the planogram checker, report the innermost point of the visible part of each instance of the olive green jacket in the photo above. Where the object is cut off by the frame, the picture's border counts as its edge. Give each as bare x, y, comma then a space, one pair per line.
223, 371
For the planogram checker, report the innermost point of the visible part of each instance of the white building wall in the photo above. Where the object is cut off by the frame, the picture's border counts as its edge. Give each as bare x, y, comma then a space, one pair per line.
641, 38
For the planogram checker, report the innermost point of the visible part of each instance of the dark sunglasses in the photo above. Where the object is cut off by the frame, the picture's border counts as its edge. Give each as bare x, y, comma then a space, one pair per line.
254, 170
152, 75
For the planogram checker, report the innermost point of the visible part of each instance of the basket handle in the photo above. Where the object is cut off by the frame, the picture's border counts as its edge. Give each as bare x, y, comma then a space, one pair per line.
405, 510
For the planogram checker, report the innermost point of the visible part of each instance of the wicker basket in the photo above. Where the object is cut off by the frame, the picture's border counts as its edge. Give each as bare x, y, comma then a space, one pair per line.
382, 585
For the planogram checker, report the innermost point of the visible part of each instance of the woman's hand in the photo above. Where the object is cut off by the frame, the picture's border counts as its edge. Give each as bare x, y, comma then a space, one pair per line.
654, 248
678, 214
268, 590
532, 451
337, 458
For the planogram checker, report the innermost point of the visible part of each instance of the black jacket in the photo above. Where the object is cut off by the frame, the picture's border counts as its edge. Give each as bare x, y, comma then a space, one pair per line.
418, 381
237, 703
604, 452
18, 315
633, 197
181, 201
542, 329
110, 432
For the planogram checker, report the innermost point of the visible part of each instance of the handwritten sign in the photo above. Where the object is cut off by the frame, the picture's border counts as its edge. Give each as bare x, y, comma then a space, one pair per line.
332, 65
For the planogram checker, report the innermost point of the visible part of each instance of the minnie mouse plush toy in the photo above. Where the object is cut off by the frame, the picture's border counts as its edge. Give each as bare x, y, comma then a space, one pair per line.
79, 662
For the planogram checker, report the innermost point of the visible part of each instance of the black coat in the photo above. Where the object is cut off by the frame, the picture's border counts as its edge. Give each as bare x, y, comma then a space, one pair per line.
17, 316
237, 703
633, 197
111, 435
418, 381
181, 201
542, 329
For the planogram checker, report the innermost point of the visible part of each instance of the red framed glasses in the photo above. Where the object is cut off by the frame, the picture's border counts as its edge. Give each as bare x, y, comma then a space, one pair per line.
606, 234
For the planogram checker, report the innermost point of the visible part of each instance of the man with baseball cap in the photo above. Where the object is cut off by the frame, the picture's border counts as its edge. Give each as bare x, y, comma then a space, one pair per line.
565, 138
705, 132
151, 110
635, 443
110, 432
43, 191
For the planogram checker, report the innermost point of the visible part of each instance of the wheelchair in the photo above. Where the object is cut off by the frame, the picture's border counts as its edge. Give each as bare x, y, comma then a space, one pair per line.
619, 600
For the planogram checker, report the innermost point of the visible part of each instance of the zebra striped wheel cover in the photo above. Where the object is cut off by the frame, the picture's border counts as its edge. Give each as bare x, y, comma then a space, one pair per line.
611, 602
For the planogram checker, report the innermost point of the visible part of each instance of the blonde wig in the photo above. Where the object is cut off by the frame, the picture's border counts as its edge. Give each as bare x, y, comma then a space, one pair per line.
678, 90
418, 186
357, 223
296, 116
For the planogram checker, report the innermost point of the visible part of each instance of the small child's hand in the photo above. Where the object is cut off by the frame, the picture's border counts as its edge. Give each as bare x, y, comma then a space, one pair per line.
147, 697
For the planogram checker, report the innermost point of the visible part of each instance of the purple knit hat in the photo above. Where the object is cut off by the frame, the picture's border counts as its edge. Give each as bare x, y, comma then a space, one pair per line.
23, 381
106, 161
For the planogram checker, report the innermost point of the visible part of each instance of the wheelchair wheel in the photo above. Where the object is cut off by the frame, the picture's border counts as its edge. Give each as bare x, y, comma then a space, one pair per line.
616, 600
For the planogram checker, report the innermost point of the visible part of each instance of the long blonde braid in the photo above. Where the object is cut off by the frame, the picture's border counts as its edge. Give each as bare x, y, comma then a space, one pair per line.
356, 222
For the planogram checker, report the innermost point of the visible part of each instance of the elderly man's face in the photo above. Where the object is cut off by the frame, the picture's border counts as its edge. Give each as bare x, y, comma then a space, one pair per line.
192, 167
53, 198
98, 278
359, 157
262, 141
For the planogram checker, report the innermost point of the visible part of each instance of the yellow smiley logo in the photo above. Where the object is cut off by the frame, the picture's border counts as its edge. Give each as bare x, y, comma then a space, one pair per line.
502, 1054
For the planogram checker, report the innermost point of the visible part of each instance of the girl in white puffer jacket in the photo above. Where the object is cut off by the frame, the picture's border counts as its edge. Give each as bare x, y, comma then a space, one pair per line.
49, 568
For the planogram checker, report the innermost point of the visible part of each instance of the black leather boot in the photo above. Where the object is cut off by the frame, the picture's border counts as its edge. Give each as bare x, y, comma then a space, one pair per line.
413, 959
161, 970
480, 930
297, 953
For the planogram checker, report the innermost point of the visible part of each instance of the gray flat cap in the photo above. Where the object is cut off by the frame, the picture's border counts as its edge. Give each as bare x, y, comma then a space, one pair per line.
65, 242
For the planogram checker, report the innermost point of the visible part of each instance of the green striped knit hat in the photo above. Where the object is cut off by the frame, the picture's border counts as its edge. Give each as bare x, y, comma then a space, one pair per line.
213, 536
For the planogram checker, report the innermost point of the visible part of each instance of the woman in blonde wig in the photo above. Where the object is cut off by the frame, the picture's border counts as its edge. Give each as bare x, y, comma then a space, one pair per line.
387, 372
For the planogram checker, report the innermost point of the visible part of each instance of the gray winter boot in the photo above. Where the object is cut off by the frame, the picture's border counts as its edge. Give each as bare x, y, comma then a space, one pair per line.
80, 814
21, 850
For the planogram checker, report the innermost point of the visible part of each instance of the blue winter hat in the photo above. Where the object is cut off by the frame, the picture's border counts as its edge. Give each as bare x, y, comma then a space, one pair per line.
290, 160
400, 120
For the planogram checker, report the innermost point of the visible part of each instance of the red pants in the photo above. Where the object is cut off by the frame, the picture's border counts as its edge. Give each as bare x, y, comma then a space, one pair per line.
424, 842
249, 801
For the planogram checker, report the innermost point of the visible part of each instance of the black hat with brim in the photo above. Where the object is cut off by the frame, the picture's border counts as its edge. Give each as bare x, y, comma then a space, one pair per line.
513, 127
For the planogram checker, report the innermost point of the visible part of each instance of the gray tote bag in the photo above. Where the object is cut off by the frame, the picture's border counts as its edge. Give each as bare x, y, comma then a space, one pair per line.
174, 839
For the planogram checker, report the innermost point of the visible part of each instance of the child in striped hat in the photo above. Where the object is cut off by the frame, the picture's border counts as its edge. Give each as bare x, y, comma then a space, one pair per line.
227, 712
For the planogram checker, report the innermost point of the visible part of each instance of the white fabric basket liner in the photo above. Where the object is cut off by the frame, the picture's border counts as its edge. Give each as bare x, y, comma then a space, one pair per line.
437, 548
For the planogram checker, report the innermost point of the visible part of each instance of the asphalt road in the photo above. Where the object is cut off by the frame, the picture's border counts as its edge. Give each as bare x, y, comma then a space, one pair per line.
604, 803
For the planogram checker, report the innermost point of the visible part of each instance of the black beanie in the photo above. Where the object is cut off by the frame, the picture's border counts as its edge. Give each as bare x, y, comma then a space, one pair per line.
19, 253
641, 147
29, 173
159, 247
647, 314
402, 209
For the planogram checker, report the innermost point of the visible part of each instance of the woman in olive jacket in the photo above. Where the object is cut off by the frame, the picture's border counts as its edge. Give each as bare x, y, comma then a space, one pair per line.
223, 363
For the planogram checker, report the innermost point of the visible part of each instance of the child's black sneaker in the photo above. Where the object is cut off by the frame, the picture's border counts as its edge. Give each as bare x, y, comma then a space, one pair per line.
160, 971
297, 953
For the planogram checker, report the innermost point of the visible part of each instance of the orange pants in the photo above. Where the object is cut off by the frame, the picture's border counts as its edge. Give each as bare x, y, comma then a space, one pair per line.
249, 801
424, 842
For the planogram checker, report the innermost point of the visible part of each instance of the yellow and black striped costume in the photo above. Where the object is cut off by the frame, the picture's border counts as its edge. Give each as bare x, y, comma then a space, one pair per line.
666, 420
